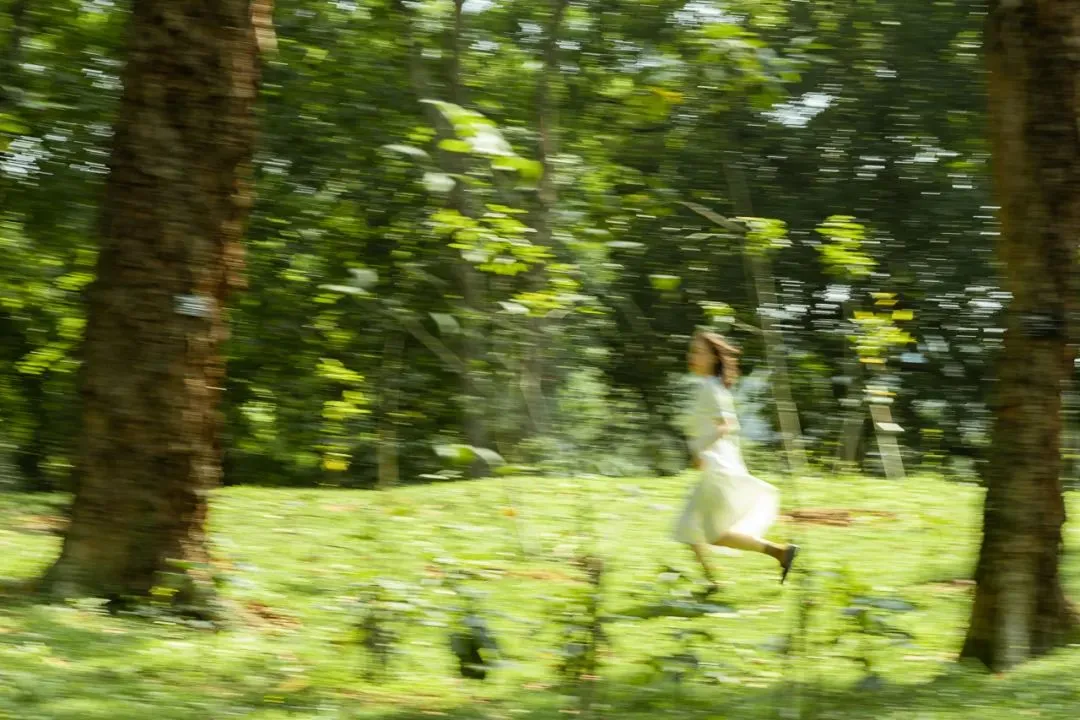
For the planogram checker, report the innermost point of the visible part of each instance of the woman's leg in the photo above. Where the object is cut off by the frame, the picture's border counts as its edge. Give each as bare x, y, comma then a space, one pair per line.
701, 552
783, 554
742, 541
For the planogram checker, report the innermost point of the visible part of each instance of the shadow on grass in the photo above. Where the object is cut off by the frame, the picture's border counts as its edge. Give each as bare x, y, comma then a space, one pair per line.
64, 663
676, 609
49, 655
960, 691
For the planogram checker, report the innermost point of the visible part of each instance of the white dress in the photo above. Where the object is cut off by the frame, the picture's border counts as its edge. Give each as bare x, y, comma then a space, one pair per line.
727, 498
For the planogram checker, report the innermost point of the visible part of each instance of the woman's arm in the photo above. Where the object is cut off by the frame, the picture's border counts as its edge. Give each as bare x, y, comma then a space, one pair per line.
726, 425
715, 420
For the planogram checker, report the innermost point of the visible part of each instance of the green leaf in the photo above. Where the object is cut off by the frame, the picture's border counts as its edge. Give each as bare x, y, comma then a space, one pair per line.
448, 324
10, 125
364, 277
344, 289
514, 308
618, 87
492, 458
528, 169
843, 253
455, 145
457, 454
718, 310
316, 54
437, 182
463, 454
665, 283
410, 150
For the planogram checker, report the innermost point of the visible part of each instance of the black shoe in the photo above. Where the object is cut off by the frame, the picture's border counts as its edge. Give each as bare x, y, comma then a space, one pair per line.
789, 559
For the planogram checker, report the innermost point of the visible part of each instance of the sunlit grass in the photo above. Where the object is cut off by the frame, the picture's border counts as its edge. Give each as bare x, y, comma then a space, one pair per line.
296, 560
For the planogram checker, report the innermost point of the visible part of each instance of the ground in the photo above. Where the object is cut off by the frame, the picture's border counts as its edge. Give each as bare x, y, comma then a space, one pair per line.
294, 563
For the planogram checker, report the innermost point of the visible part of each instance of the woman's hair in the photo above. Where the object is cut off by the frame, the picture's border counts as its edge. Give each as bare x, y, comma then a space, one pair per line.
727, 357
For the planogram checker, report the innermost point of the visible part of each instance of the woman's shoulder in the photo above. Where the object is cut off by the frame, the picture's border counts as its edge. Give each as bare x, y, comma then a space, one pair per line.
721, 392
703, 384
710, 389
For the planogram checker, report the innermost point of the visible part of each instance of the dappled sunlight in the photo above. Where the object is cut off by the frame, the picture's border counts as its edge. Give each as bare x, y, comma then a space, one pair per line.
529, 358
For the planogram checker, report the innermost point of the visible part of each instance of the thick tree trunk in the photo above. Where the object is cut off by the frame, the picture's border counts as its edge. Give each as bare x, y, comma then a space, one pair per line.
176, 201
1020, 608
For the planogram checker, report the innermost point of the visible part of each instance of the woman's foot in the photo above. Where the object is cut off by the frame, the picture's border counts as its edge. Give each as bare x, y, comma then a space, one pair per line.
707, 591
788, 559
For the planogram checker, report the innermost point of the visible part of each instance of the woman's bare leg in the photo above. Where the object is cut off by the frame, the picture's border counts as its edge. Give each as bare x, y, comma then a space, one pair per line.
742, 541
701, 552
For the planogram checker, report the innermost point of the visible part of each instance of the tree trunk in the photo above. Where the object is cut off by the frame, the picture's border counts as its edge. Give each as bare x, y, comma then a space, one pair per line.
474, 346
759, 271
9, 61
30, 456
175, 206
472, 284
536, 363
386, 424
1020, 608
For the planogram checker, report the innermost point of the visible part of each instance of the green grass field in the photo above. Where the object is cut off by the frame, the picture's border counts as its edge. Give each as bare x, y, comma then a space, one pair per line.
296, 561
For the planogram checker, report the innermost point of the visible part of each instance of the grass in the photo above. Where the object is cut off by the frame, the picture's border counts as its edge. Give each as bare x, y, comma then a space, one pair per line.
297, 560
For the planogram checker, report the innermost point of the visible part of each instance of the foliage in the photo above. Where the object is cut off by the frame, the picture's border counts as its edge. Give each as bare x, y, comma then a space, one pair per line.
549, 150
581, 630
384, 606
867, 624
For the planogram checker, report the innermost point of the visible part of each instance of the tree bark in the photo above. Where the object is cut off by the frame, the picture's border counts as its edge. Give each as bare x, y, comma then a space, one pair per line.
1020, 608
175, 206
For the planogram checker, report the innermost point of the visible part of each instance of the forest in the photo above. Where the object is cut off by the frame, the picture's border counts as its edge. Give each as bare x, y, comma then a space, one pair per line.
344, 356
